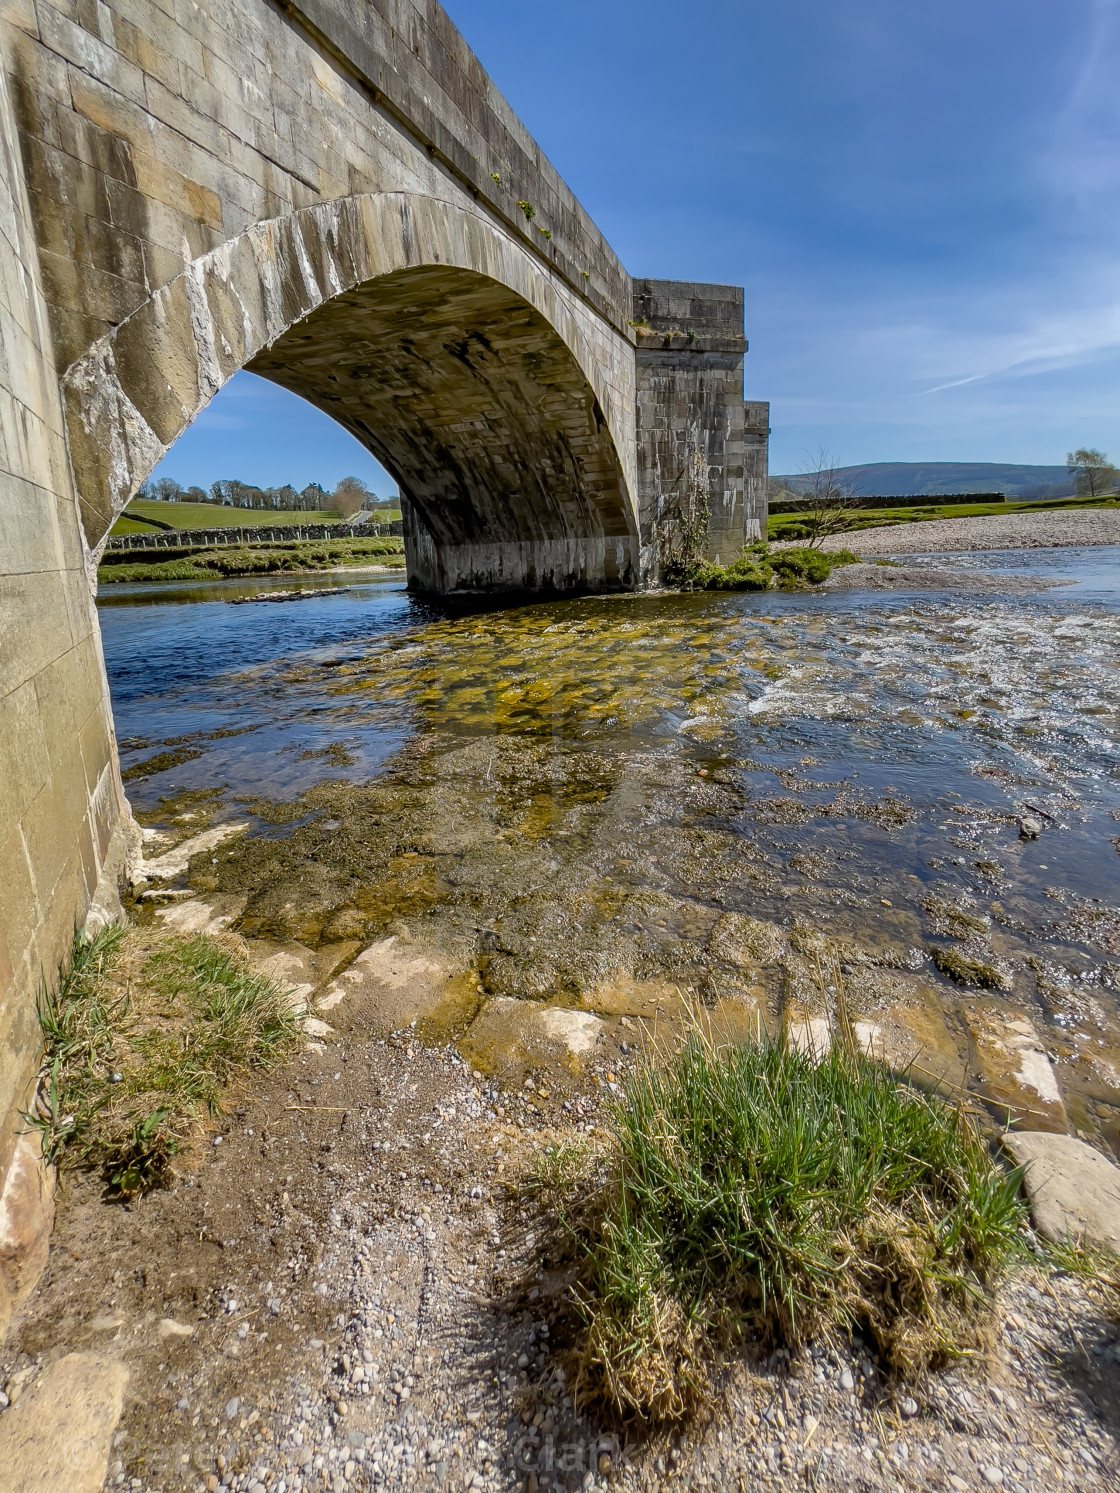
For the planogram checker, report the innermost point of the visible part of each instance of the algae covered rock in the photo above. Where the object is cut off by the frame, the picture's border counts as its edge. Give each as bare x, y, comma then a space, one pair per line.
969, 969
745, 941
509, 1033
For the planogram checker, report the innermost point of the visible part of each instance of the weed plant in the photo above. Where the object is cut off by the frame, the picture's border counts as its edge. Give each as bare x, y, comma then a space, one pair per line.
143, 1033
756, 1195
759, 568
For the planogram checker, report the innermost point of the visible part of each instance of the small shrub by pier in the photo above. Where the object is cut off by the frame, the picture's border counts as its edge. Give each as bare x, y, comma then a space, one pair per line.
759, 568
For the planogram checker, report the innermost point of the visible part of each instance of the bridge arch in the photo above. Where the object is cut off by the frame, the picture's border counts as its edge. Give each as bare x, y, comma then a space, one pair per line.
188, 190
499, 405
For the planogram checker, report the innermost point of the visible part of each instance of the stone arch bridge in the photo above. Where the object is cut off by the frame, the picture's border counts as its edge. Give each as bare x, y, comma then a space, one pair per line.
333, 194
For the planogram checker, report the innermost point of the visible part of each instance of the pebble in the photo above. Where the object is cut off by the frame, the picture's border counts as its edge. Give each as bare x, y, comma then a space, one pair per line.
420, 1435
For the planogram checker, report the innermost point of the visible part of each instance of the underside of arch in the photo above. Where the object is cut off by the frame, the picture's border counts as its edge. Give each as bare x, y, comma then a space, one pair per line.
469, 397
504, 413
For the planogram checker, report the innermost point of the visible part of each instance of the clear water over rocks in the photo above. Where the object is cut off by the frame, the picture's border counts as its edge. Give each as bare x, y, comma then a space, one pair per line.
891, 817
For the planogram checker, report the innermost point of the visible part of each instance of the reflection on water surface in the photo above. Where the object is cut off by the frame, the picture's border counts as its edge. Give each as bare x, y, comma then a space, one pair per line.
578, 800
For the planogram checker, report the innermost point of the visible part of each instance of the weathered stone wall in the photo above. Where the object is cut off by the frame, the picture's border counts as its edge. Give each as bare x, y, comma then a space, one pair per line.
60, 796
756, 498
691, 436
160, 142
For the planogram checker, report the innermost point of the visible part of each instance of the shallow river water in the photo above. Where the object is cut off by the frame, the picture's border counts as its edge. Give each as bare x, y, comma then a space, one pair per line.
800, 809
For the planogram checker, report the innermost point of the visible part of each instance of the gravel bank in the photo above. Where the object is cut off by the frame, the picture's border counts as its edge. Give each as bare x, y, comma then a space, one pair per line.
335, 1302
929, 578
1047, 529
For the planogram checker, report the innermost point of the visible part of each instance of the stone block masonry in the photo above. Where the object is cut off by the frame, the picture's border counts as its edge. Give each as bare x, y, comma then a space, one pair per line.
335, 195
702, 452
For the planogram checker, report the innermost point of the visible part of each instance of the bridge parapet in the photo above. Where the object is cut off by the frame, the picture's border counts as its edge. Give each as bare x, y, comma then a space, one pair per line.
420, 70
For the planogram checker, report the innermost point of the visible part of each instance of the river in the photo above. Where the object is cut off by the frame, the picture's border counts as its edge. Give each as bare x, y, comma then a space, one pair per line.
581, 799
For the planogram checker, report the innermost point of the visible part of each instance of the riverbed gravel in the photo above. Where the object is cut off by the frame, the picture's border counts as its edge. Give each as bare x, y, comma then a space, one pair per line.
880, 576
347, 1296
1049, 528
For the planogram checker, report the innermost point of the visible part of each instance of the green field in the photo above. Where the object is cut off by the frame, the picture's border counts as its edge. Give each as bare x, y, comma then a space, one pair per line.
214, 516
793, 526
294, 558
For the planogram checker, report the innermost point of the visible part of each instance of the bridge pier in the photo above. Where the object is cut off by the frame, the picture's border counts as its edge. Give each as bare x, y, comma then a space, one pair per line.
701, 451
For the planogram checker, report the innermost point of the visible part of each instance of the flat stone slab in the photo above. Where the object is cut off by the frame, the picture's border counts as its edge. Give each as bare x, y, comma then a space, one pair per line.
174, 862
26, 1220
1074, 1191
393, 983
210, 915
55, 1439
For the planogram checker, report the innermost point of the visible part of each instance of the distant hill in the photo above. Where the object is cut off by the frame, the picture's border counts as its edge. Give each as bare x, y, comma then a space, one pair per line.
919, 479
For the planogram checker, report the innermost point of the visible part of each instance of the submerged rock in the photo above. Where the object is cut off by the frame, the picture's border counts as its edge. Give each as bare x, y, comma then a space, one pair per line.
509, 1033
1013, 1068
648, 1001
747, 941
392, 984
1074, 1191
908, 1031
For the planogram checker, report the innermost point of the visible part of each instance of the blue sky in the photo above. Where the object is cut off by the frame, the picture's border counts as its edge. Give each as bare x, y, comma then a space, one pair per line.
921, 201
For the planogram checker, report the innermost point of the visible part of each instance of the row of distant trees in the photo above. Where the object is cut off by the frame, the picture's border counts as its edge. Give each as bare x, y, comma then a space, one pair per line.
350, 496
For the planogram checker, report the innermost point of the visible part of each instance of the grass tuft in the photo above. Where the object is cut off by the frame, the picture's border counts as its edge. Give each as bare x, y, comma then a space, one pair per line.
759, 568
757, 1195
142, 1034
